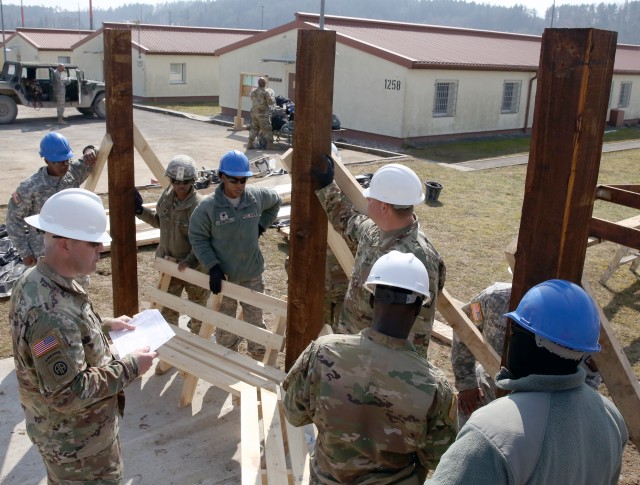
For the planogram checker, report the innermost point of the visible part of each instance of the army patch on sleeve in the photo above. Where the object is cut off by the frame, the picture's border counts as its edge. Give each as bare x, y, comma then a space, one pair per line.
476, 312
45, 345
15, 197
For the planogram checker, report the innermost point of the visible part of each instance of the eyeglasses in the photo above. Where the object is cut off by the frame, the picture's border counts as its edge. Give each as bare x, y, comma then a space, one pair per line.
90, 243
181, 182
237, 180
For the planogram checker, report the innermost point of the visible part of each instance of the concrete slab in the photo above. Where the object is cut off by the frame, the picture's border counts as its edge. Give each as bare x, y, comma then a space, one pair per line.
204, 449
167, 135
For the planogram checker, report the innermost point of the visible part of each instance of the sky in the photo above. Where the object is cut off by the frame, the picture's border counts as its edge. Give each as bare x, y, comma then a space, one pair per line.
539, 5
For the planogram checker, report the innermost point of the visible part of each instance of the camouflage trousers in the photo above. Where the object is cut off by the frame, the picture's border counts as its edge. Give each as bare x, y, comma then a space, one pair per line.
260, 123
195, 293
252, 315
60, 94
485, 382
104, 468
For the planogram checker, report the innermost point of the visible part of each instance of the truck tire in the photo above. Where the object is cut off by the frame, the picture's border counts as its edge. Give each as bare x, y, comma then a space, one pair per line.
8, 110
99, 106
86, 111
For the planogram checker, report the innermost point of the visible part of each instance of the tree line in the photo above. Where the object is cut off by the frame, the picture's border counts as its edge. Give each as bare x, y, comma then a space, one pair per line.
260, 14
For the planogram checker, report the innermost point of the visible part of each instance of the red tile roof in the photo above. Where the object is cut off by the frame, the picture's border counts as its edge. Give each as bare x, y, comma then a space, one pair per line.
168, 39
52, 39
419, 46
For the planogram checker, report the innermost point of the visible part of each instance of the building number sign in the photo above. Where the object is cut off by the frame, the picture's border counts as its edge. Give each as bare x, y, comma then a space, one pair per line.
392, 84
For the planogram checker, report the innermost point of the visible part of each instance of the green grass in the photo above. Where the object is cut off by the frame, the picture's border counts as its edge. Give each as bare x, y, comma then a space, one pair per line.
478, 148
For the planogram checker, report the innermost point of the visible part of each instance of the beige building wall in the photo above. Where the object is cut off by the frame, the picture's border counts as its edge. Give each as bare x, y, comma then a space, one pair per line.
248, 60
632, 111
89, 56
153, 78
19, 49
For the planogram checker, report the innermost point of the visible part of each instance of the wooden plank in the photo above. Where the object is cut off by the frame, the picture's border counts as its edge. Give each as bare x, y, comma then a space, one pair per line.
273, 439
610, 231
576, 66
468, 333
233, 325
442, 332
266, 302
271, 355
149, 157
350, 186
249, 436
312, 139
340, 250
206, 330
103, 154
617, 373
143, 238
619, 195
119, 106
265, 372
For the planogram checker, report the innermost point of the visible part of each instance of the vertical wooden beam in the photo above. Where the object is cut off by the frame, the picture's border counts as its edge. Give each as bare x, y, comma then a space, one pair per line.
308, 236
118, 80
574, 80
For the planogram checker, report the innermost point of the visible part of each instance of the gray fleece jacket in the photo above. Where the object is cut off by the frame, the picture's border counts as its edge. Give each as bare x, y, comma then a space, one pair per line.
228, 236
549, 430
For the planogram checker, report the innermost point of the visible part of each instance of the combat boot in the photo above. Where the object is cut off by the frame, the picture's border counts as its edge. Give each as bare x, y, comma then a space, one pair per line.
61, 121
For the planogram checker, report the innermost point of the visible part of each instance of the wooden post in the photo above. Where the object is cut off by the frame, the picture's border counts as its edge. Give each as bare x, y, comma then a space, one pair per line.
308, 236
117, 69
574, 81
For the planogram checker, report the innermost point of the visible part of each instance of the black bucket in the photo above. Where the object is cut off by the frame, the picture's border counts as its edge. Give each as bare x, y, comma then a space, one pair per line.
433, 190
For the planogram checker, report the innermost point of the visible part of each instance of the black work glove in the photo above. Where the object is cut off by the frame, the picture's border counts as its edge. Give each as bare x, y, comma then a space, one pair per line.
260, 230
326, 177
138, 202
215, 279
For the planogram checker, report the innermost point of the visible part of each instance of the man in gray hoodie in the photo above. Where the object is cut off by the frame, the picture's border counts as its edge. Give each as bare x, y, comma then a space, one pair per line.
552, 428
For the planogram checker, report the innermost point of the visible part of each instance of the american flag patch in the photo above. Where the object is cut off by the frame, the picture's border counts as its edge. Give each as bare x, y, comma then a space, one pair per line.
45, 345
476, 312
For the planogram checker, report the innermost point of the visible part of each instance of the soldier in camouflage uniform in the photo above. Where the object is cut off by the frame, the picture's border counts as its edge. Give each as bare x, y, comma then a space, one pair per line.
389, 224
59, 173
60, 84
475, 386
261, 100
70, 384
172, 213
384, 414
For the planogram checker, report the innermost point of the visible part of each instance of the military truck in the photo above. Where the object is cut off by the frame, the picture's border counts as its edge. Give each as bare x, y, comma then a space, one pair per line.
31, 84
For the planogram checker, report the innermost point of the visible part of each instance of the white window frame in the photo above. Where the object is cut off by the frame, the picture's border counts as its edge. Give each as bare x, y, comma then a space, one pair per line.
445, 107
177, 73
624, 99
510, 96
64, 60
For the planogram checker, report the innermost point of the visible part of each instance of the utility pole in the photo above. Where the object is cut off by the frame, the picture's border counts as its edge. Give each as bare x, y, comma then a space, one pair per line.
4, 42
321, 14
262, 18
553, 12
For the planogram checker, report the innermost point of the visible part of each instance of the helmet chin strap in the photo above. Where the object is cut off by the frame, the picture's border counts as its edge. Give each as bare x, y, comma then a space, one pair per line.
558, 350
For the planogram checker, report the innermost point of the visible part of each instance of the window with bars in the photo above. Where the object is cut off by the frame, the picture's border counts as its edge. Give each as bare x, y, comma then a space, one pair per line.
444, 102
511, 97
177, 73
625, 95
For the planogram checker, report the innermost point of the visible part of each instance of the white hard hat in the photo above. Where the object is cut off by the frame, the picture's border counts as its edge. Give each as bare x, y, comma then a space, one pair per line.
399, 270
395, 184
73, 213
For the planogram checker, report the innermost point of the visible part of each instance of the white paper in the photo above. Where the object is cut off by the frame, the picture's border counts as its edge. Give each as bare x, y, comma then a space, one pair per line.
151, 329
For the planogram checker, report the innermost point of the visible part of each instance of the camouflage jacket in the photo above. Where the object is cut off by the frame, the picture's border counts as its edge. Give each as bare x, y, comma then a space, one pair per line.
383, 413
486, 310
29, 198
172, 217
261, 99
70, 384
371, 244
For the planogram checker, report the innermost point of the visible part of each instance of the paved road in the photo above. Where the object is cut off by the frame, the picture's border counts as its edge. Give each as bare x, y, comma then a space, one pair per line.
166, 135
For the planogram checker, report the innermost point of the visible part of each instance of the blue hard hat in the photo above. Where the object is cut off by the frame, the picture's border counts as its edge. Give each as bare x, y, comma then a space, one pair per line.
562, 312
55, 148
235, 163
